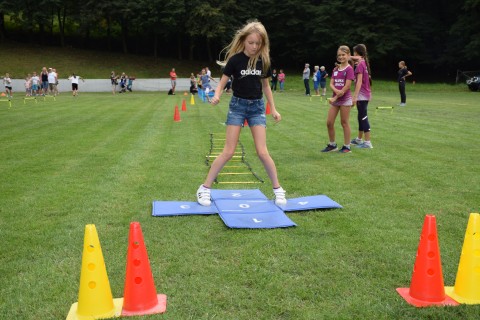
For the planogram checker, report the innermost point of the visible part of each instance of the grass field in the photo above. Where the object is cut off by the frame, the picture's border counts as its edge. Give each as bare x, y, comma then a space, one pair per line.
103, 159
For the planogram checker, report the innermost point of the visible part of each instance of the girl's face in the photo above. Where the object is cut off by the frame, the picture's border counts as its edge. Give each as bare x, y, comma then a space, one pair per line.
342, 56
253, 43
401, 65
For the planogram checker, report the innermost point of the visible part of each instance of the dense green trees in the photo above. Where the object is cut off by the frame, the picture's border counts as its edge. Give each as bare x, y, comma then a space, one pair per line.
435, 36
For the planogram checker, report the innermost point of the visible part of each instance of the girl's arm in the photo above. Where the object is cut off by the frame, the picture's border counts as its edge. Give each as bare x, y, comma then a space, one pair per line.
332, 86
218, 93
358, 85
268, 94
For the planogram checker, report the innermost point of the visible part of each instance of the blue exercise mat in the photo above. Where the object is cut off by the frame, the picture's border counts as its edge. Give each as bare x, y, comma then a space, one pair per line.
249, 209
259, 220
178, 208
237, 194
310, 203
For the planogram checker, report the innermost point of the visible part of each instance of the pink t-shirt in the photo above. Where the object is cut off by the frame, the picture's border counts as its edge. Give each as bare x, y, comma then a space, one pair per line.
339, 78
281, 77
365, 93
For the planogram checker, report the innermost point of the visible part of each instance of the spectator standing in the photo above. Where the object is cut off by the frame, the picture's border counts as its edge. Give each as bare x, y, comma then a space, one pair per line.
274, 80
316, 80
306, 79
281, 80
44, 79
403, 72
35, 84
323, 80
173, 79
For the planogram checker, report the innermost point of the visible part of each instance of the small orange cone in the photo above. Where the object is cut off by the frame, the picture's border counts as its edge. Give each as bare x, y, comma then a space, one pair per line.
3, 94
185, 93
467, 282
245, 123
176, 116
426, 287
268, 111
140, 296
184, 105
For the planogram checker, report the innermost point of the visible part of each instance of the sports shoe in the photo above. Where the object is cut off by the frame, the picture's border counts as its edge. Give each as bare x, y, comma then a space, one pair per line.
356, 141
402, 104
345, 149
365, 145
203, 196
330, 148
280, 199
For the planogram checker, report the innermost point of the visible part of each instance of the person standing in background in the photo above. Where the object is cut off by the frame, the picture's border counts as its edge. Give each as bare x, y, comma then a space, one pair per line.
306, 79
403, 72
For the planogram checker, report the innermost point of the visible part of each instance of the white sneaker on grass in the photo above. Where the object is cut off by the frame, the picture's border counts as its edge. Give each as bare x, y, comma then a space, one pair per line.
280, 199
203, 196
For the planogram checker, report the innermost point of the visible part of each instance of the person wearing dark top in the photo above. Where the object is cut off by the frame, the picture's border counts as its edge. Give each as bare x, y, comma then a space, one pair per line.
403, 72
247, 61
274, 80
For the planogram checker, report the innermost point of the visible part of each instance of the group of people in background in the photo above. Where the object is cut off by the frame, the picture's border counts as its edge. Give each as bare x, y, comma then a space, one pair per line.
125, 82
44, 83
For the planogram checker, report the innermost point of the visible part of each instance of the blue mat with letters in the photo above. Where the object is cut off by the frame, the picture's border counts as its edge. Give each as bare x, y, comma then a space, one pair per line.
249, 209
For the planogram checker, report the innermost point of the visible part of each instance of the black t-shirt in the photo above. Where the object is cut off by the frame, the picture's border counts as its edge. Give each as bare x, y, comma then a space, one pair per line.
246, 83
402, 73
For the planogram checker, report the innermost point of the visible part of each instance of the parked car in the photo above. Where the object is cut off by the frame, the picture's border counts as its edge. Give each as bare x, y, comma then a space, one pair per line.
474, 83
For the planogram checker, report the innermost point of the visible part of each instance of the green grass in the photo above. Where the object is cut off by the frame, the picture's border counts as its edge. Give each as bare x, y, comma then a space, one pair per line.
103, 159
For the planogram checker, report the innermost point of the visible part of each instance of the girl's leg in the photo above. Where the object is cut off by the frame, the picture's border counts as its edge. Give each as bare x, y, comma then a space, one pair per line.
260, 139
332, 115
344, 120
231, 140
403, 96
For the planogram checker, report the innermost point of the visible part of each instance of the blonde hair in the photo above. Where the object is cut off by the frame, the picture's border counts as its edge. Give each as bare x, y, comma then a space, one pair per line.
238, 45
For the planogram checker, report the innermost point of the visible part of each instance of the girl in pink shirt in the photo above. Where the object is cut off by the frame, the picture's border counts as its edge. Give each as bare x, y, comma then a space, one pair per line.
341, 101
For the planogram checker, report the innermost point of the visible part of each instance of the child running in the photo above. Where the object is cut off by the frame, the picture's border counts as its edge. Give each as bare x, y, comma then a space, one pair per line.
362, 95
247, 60
7, 81
342, 100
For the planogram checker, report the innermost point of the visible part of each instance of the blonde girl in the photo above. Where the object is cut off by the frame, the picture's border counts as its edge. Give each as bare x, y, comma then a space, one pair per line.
247, 61
341, 102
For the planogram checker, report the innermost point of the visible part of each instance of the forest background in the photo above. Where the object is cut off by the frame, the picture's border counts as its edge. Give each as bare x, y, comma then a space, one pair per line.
435, 38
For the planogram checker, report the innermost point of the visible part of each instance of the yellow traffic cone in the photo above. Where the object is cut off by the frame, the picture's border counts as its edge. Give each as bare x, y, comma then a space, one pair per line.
192, 100
94, 296
467, 282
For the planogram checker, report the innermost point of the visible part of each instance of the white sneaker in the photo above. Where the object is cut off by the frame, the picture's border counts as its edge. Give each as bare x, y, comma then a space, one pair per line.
280, 199
203, 196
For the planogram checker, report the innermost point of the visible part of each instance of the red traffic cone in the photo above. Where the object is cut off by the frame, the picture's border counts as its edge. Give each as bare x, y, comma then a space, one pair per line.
245, 123
268, 111
184, 105
426, 287
140, 296
176, 116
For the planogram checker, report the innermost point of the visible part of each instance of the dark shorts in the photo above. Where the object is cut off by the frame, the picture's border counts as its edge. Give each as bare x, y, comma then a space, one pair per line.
74, 86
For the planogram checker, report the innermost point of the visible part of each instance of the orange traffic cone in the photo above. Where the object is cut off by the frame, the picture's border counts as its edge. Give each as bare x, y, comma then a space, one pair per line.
245, 123
140, 296
94, 296
268, 111
176, 116
184, 105
426, 287
467, 282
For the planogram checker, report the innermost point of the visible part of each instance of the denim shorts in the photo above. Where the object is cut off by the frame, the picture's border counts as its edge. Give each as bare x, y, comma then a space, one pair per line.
251, 110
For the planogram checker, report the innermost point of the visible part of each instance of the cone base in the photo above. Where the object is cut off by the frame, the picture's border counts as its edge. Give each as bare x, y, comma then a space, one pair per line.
451, 292
405, 293
116, 312
161, 307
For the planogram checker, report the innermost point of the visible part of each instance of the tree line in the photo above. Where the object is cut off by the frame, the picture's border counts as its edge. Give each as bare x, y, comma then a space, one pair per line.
437, 37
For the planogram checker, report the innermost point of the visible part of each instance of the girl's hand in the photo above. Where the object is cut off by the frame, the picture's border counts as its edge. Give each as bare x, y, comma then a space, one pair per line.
276, 116
215, 100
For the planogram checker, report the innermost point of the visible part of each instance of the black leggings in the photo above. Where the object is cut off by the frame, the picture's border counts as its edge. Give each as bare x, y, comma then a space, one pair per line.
363, 124
401, 88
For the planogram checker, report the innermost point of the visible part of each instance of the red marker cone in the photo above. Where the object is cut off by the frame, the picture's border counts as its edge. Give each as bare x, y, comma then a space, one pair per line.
245, 123
268, 111
176, 116
426, 287
184, 105
140, 296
